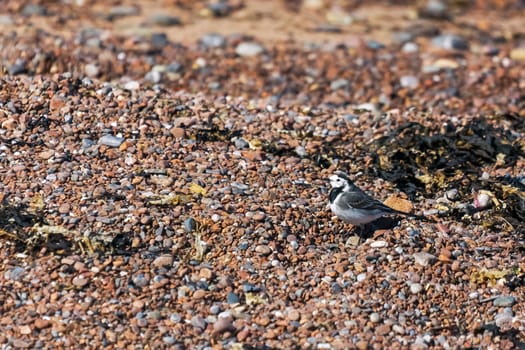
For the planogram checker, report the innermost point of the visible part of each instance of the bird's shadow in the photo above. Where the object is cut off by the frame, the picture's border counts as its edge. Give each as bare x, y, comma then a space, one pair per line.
383, 223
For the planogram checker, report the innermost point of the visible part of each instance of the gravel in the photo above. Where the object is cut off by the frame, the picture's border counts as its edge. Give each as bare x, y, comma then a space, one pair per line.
166, 186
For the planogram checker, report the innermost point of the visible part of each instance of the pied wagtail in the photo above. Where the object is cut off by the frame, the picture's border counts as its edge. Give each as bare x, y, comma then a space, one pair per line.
350, 204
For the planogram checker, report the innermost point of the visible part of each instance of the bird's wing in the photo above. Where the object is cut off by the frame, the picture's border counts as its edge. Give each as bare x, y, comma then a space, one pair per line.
360, 200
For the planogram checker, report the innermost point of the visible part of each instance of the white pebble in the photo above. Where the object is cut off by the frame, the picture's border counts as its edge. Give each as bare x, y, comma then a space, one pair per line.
361, 277
379, 244
415, 288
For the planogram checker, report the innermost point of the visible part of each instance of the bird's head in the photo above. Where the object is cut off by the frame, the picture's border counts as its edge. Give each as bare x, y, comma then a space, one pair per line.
340, 180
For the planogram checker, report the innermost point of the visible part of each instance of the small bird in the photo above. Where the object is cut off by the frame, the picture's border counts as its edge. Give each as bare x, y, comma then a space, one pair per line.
349, 203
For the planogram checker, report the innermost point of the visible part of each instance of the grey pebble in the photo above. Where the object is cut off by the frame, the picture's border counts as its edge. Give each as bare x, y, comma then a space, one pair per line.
198, 322
424, 258
241, 143
375, 45
409, 81
248, 49
87, 143
452, 194
164, 20
190, 225
434, 9
140, 280
19, 67
415, 288
34, 10
159, 40
374, 317
121, 11
243, 245
450, 42
6, 20
111, 141
250, 288
174, 67
153, 76
215, 309
169, 340
220, 8
154, 315
94, 42
410, 47
175, 317
105, 90
16, 273
361, 277
398, 329
402, 37
232, 298
339, 84
212, 40
132, 85
504, 318
301, 151
91, 70
504, 301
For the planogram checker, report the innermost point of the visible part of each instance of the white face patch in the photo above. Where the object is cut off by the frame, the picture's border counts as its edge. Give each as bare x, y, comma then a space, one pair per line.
339, 182
336, 181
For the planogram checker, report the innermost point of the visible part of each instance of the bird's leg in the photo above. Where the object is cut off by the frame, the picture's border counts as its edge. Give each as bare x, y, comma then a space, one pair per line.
360, 231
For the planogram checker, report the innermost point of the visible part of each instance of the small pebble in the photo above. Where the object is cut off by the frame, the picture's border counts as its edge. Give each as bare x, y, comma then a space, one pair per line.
247, 49
518, 54
293, 315
339, 84
189, 225
379, 244
504, 319
504, 301
374, 317
410, 47
223, 325
409, 81
164, 20
92, 70
452, 194
132, 85
111, 141
450, 42
424, 258
163, 260
140, 280
34, 10
212, 40
361, 277
398, 329
232, 298
169, 340
122, 11
80, 280
198, 322
263, 250
415, 288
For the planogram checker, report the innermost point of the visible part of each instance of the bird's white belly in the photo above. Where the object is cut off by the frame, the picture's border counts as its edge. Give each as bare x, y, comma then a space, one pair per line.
356, 216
